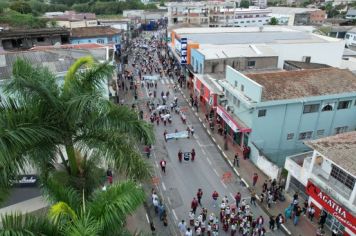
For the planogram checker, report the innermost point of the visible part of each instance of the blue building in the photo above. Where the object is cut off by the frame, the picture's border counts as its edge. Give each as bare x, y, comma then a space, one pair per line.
97, 34
283, 109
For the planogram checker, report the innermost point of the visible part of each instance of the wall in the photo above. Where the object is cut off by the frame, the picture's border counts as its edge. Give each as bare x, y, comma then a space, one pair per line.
316, 51
198, 59
271, 131
105, 39
190, 47
251, 88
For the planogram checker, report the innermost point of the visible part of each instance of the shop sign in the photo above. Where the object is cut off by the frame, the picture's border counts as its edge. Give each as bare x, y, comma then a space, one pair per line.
183, 51
227, 119
335, 209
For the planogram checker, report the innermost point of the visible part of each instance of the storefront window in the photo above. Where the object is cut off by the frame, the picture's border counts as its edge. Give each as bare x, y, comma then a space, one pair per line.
333, 223
246, 139
237, 138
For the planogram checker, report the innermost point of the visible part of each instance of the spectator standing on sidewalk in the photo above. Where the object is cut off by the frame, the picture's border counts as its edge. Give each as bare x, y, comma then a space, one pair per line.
271, 223
311, 212
254, 179
236, 160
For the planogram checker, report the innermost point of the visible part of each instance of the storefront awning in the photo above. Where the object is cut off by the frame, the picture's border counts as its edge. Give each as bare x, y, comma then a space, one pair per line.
236, 126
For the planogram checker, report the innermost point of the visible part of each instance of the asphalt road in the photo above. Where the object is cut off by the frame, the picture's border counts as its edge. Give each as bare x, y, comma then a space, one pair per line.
182, 180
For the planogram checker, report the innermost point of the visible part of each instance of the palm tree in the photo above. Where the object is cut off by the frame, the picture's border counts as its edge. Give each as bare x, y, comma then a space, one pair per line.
102, 214
42, 122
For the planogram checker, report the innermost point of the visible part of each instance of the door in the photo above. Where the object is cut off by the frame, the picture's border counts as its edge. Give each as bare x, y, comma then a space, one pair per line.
333, 223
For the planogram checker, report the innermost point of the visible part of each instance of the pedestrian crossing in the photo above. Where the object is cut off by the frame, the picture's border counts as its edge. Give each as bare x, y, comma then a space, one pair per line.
167, 81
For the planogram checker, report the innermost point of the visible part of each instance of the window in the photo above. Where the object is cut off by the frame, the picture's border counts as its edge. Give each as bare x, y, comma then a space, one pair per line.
290, 136
342, 177
305, 135
235, 83
89, 41
343, 105
251, 63
242, 87
200, 69
262, 112
238, 103
347, 36
342, 129
234, 100
259, 20
320, 132
327, 108
40, 39
100, 41
227, 94
311, 108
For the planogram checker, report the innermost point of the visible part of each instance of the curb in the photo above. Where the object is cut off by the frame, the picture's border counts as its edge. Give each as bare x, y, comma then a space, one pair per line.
284, 229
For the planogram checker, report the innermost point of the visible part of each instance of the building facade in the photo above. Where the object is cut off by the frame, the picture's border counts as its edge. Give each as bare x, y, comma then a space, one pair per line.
71, 19
298, 16
283, 109
326, 176
350, 38
98, 34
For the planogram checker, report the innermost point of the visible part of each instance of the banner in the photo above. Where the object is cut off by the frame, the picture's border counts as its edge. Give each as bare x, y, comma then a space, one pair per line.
183, 50
182, 134
227, 119
335, 209
149, 77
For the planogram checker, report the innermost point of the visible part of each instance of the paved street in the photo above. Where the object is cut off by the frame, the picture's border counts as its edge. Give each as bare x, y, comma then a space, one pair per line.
182, 180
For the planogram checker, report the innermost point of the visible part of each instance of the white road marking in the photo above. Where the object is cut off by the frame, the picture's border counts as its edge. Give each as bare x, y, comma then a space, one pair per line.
171, 81
146, 91
225, 155
216, 172
232, 195
167, 81
219, 147
208, 161
163, 186
148, 220
200, 119
229, 162
214, 140
162, 81
174, 213
286, 229
169, 201
184, 96
202, 150
203, 125
247, 185
222, 182
209, 132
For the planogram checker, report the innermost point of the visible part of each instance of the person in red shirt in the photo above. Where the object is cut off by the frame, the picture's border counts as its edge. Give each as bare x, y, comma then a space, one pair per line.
199, 195
215, 196
193, 154
254, 179
194, 205
238, 199
163, 165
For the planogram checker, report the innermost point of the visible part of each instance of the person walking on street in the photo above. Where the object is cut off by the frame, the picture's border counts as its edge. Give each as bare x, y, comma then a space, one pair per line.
199, 195
193, 154
215, 196
322, 219
194, 205
182, 227
163, 165
254, 179
236, 160
237, 199
311, 212
279, 220
253, 198
180, 156
192, 131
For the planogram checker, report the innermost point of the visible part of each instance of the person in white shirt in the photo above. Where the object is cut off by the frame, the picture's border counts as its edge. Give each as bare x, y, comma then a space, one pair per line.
182, 226
189, 232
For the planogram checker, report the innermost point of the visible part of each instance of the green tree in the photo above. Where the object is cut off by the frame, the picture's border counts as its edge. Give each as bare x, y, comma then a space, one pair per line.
20, 6
161, 3
273, 21
72, 123
16, 19
245, 4
104, 214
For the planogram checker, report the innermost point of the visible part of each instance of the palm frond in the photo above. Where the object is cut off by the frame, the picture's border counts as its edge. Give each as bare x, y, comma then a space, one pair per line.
92, 79
73, 70
61, 213
112, 206
85, 225
27, 225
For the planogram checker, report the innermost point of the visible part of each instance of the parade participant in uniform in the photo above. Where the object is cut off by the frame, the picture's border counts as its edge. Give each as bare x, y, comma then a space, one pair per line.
191, 218
194, 205
163, 165
180, 156
208, 229
193, 154
215, 196
200, 191
196, 225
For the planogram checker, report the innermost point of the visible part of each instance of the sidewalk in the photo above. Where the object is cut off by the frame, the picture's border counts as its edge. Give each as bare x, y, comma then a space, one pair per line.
246, 170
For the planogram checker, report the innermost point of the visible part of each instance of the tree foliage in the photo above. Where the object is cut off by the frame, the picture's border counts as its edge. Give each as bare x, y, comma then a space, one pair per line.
21, 6
16, 19
273, 21
245, 4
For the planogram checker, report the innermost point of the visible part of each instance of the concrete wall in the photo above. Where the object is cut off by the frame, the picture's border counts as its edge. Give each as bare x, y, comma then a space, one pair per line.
316, 51
101, 39
239, 63
197, 61
270, 132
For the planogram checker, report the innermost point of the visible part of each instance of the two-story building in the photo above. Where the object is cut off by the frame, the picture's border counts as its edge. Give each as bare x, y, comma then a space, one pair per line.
97, 34
327, 177
283, 109
71, 19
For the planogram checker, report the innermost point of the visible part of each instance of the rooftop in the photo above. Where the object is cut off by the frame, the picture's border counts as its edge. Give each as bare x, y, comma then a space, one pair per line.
236, 50
351, 12
304, 83
84, 32
71, 16
306, 65
210, 82
251, 35
291, 10
56, 59
340, 149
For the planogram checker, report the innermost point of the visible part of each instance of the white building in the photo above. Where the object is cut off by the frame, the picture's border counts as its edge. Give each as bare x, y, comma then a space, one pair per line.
350, 38
351, 14
327, 176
